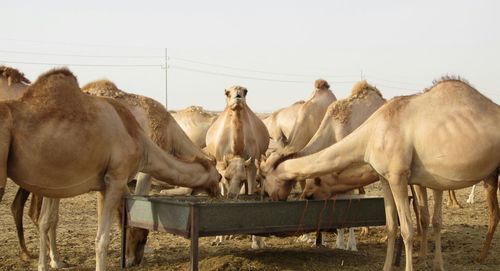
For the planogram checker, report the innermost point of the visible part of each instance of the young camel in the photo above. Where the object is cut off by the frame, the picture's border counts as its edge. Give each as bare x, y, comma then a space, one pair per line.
445, 138
45, 149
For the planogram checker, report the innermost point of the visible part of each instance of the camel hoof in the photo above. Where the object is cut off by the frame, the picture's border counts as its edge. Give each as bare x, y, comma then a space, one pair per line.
26, 257
59, 264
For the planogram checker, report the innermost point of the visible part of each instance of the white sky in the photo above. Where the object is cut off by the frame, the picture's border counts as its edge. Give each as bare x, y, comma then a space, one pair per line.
274, 48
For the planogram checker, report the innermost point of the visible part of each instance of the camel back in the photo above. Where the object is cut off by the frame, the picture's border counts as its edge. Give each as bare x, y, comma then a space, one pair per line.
56, 95
13, 75
341, 110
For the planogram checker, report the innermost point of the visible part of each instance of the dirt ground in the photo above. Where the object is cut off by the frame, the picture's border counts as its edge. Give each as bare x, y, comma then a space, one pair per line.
463, 235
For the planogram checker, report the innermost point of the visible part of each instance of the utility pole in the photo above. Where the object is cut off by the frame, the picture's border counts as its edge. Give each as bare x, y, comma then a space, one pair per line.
362, 75
166, 81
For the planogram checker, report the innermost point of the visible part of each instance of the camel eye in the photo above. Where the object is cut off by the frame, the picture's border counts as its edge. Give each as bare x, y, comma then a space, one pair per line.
317, 181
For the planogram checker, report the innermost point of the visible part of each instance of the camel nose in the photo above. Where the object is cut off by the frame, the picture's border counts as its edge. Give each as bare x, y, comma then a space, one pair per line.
238, 96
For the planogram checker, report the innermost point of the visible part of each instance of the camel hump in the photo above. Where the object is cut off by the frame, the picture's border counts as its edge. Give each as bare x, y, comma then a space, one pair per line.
321, 84
103, 87
128, 120
13, 75
362, 88
54, 83
448, 78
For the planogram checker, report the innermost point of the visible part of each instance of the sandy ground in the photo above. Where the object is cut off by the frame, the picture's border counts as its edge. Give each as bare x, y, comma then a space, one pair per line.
463, 235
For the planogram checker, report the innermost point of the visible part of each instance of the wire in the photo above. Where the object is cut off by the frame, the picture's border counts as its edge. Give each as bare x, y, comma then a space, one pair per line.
247, 77
73, 55
250, 70
82, 65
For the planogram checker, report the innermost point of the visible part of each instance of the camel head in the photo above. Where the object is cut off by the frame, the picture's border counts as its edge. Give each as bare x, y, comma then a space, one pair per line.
136, 241
236, 171
317, 188
235, 97
276, 187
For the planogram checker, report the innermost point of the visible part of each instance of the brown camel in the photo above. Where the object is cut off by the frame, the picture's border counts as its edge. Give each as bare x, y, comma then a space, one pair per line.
445, 138
195, 122
46, 138
236, 139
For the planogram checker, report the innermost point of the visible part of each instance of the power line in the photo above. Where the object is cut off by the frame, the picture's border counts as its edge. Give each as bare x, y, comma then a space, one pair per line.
79, 55
248, 77
251, 70
82, 65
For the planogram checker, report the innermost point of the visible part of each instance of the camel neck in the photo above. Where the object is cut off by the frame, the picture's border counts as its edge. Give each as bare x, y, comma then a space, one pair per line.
237, 142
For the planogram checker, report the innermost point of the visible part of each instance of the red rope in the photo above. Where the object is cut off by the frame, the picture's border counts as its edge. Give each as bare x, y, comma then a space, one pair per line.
321, 216
301, 221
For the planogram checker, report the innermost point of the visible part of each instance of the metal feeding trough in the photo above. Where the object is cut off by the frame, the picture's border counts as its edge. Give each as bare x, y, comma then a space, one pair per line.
194, 217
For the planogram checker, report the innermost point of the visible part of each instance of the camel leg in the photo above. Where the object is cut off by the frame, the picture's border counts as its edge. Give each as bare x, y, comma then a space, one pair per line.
398, 183
391, 219
258, 242
339, 244
423, 217
351, 241
490, 185
47, 219
114, 191
35, 208
143, 185
453, 202
471, 195
437, 222
17, 209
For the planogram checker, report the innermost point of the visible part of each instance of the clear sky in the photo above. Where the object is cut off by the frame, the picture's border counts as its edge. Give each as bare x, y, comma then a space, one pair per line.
274, 48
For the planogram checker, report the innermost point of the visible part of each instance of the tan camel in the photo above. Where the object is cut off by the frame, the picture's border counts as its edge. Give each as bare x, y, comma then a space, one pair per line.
445, 138
13, 85
195, 122
341, 118
309, 117
47, 135
236, 139
280, 123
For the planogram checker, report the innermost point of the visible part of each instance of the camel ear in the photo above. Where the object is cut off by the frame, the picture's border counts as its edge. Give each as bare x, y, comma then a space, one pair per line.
248, 162
25, 80
226, 92
245, 91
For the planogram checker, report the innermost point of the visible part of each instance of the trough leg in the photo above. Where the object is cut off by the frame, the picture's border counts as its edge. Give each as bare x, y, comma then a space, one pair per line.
194, 234
124, 234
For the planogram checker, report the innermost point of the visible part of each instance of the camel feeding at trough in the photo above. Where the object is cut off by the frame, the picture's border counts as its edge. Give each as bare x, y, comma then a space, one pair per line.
237, 139
59, 142
445, 138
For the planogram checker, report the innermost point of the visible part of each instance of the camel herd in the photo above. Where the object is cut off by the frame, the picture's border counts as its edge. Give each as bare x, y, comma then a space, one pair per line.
59, 140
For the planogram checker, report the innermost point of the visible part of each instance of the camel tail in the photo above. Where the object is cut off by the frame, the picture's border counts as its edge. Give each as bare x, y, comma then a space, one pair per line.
17, 209
6, 125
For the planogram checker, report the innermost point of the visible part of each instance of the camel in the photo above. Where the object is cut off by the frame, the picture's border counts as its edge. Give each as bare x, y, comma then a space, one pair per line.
12, 83
195, 122
308, 119
444, 138
341, 118
46, 137
280, 123
236, 139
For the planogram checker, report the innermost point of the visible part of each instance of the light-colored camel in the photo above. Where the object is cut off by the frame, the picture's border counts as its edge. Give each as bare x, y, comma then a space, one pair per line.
236, 139
445, 138
61, 143
280, 123
308, 120
341, 118
195, 122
